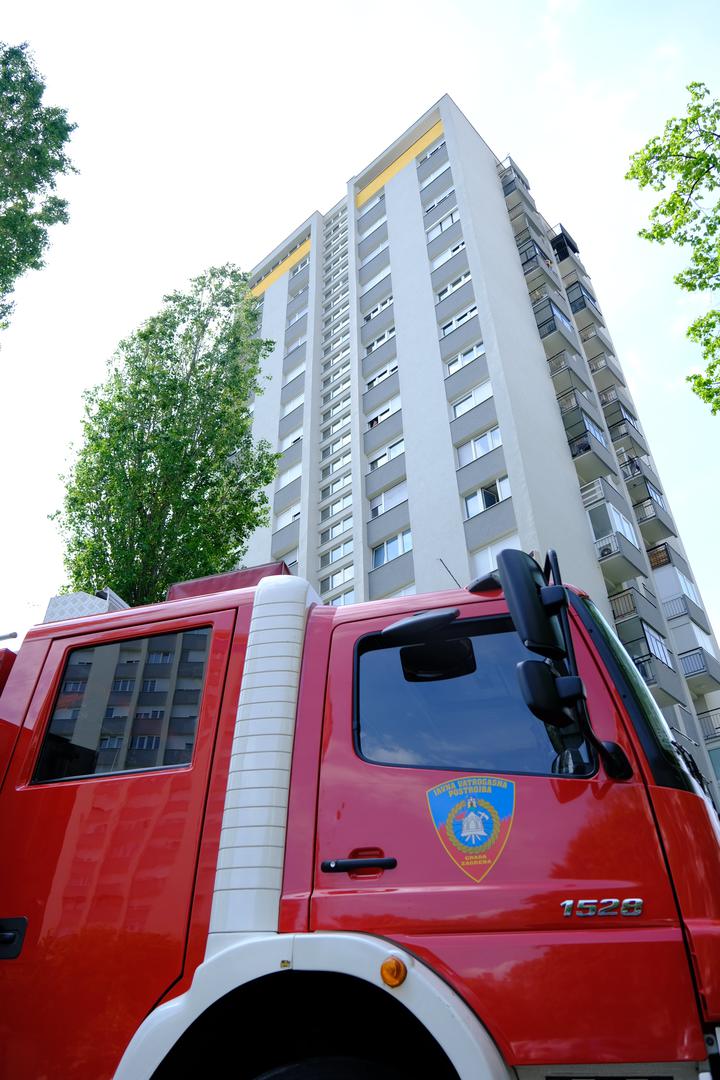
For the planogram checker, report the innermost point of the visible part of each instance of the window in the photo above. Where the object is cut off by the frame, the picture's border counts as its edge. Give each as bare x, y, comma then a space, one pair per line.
657, 646
472, 719
341, 462
300, 266
336, 507
293, 373
287, 477
296, 317
335, 409
335, 426
443, 224
465, 356
391, 549
446, 255
407, 590
655, 495
378, 197
432, 150
159, 657
593, 428
688, 587
337, 485
336, 445
104, 740
337, 529
289, 440
287, 516
387, 499
381, 375
77, 686
337, 372
380, 276
619, 523
487, 496
295, 345
458, 320
453, 286
378, 308
334, 581
290, 558
479, 446
386, 410
336, 553
342, 599
469, 401
380, 340
484, 560
390, 451
335, 391
291, 405
440, 199
375, 251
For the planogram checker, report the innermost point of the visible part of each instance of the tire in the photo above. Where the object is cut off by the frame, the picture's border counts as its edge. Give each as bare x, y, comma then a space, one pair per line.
335, 1068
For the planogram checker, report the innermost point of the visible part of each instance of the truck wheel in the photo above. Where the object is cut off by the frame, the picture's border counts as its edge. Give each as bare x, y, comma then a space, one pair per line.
335, 1068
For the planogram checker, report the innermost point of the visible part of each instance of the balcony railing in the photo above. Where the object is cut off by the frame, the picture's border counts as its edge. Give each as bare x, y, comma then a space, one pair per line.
644, 664
675, 606
646, 510
625, 603
623, 428
608, 545
693, 662
573, 399
580, 298
659, 556
592, 493
581, 445
710, 723
608, 396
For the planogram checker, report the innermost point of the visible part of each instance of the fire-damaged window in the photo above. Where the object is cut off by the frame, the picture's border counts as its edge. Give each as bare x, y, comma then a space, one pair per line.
453, 701
134, 707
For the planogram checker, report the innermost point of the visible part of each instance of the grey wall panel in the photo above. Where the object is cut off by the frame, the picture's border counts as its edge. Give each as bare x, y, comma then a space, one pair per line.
292, 455
445, 240
449, 270
367, 219
484, 528
383, 433
293, 389
381, 260
482, 471
382, 321
376, 294
431, 217
391, 577
379, 357
389, 474
384, 390
285, 539
287, 495
291, 422
466, 334
377, 236
473, 422
466, 378
390, 523
294, 357
436, 186
458, 301
297, 330
431, 164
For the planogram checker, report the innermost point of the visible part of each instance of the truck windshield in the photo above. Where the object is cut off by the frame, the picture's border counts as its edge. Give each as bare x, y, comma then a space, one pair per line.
456, 704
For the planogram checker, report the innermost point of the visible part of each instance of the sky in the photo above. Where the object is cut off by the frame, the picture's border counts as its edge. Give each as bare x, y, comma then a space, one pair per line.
207, 132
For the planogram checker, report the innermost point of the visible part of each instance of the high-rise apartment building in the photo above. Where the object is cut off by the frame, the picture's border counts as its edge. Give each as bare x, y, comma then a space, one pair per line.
444, 385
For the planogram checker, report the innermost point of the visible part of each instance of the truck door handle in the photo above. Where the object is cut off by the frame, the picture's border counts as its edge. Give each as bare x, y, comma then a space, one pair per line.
348, 866
12, 935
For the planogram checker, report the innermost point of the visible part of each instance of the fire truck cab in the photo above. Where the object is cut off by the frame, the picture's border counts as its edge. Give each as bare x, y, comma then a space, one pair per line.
447, 835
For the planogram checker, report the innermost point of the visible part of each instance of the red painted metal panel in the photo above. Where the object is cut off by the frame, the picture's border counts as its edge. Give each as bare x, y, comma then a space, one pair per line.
103, 869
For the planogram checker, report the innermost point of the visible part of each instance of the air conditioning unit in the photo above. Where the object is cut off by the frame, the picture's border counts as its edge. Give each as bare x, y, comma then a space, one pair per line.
604, 552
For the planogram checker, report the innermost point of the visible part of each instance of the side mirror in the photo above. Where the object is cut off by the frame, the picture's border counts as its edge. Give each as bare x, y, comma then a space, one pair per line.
533, 604
548, 696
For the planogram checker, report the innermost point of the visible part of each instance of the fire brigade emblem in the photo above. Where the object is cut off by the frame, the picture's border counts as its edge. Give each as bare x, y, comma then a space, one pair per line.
472, 817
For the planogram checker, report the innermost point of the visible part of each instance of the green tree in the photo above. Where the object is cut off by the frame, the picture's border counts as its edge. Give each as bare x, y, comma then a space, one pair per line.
168, 483
686, 159
32, 156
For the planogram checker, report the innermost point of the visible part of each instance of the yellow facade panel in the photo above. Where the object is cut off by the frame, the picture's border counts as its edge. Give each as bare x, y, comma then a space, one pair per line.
287, 264
399, 163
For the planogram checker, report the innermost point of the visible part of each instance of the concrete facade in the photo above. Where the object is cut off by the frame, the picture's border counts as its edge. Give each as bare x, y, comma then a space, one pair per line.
444, 385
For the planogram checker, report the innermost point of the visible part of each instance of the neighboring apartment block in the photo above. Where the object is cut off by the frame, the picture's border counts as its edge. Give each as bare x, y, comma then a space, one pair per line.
444, 385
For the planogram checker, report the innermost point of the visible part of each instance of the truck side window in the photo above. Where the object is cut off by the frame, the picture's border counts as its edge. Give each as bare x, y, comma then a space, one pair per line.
454, 703
126, 705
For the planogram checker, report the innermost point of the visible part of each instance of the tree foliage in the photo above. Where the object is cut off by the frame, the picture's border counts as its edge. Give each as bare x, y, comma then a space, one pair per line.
168, 483
686, 159
32, 155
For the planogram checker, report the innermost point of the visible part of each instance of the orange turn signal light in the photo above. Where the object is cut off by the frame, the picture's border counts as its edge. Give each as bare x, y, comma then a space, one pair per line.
393, 971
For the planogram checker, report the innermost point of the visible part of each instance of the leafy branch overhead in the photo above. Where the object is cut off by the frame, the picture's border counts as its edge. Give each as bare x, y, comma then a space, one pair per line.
168, 483
32, 156
686, 160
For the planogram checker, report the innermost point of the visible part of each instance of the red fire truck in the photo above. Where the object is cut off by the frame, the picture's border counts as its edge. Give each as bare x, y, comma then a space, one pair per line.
248, 835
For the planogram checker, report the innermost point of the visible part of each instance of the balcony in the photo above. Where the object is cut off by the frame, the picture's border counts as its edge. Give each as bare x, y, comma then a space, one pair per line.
596, 339
640, 477
710, 723
554, 327
654, 521
664, 682
666, 555
702, 671
629, 608
681, 606
620, 561
573, 404
584, 306
605, 370
592, 458
627, 436
569, 371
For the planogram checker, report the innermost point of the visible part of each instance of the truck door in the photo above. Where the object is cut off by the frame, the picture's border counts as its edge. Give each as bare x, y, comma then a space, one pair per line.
100, 818
449, 822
